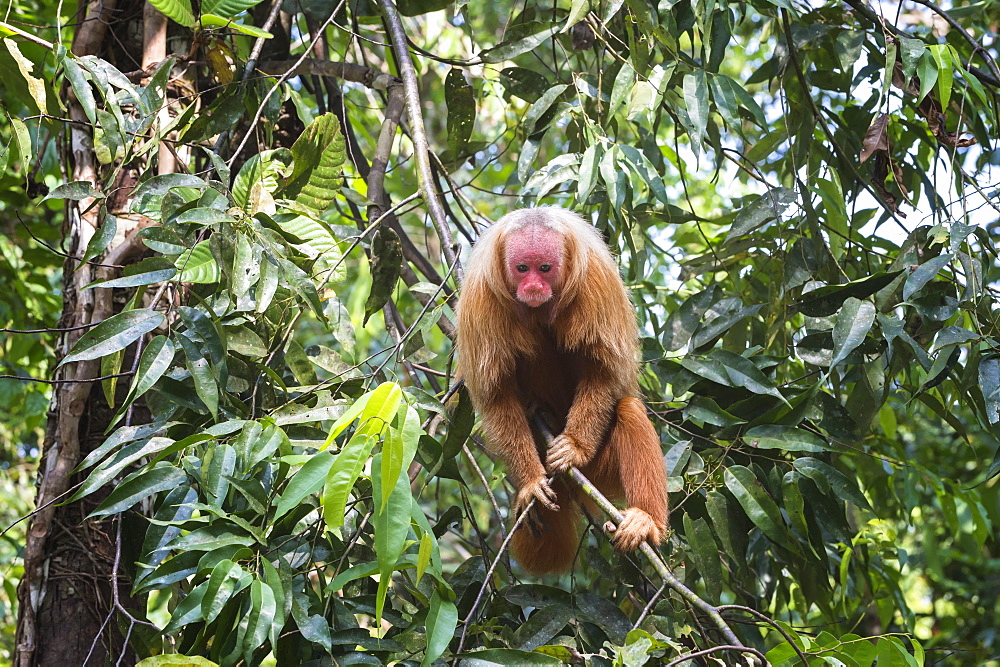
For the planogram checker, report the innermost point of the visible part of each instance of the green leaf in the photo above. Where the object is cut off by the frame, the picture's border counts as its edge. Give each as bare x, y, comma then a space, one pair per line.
989, 384
924, 274
524, 83
201, 373
787, 438
696, 102
197, 265
214, 20
222, 585
153, 363
100, 241
319, 154
705, 555
178, 10
398, 449
517, 45
461, 101
624, 81
212, 537
506, 656
843, 486
927, 71
148, 271
175, 660
113, 334
75, 191
759, 506
720, 318
540, 107
386, 264
188, 610
942, 58
81, 88
121, 459
910, 50
587, 177
442, 619
263, 609
769, 206
542, 626
307, 481
139, 485
217, 468
853, 324
743, 373
392, 524
828, 300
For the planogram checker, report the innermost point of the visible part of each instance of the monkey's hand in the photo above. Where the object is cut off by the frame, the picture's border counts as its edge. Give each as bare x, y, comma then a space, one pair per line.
538, 490
635, 528
565, 453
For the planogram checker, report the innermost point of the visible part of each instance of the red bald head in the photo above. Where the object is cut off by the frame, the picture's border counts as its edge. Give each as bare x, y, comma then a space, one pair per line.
534, 258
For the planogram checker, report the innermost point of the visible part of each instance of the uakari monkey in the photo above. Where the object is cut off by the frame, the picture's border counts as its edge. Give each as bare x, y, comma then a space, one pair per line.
545, 324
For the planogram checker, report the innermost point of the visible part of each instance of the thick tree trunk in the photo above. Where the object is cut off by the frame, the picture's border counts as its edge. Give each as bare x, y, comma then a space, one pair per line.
68, 605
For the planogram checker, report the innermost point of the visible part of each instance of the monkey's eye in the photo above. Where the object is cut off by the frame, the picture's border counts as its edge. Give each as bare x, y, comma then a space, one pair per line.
545, 268
522, 268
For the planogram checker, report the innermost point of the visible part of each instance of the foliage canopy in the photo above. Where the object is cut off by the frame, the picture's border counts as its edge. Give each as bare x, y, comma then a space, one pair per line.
801, 195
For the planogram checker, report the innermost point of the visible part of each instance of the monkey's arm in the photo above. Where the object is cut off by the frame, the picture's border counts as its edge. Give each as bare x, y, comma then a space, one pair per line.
589, 417
509, 436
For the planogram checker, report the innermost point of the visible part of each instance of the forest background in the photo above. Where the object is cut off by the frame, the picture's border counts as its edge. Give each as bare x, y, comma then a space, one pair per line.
230, 243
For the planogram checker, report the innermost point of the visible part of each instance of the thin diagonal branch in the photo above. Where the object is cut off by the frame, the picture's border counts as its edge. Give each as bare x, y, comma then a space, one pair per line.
419, 136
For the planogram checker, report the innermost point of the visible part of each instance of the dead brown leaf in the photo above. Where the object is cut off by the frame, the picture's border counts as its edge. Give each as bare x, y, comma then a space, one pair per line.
876, 138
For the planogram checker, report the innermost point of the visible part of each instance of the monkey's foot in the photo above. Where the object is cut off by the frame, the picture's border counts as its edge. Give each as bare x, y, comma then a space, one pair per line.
635, 528
538, 490
564, 453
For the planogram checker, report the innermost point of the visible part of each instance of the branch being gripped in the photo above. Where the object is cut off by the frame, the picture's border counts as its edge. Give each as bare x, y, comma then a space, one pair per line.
651, 554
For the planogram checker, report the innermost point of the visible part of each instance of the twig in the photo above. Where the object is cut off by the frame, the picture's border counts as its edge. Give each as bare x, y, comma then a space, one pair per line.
40, 380
715, 649
489, 573
419, 136
654, 558
769, 621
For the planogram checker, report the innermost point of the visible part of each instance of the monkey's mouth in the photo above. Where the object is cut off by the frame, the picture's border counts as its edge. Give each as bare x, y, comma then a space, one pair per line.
535, 300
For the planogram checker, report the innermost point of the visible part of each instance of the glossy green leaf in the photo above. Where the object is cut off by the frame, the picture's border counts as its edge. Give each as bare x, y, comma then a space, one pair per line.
842, 485
138, 486
222, 585
386, 264
924, 274
854, 321
759, 506
787, 438
113, 334
306, 481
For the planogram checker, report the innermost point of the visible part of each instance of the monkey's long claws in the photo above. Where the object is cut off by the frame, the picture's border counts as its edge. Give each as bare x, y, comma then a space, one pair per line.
538, 490
564, 453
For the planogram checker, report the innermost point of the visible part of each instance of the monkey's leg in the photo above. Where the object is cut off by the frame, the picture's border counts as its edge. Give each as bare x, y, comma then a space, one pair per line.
631, 465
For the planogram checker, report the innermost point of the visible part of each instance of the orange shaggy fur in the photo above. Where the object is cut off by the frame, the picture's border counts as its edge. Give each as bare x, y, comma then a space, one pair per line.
575, 359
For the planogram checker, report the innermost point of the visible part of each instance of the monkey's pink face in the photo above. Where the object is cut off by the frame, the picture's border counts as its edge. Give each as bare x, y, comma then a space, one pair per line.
534, 264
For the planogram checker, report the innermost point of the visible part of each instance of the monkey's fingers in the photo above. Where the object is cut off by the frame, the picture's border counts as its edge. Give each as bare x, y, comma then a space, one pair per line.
564, 454
540, 491
635, 528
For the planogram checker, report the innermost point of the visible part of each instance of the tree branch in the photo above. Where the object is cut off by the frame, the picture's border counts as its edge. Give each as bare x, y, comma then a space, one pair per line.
419, 136
647, 550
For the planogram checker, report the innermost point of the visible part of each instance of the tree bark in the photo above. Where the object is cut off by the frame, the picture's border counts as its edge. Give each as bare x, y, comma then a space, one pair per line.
66, 598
